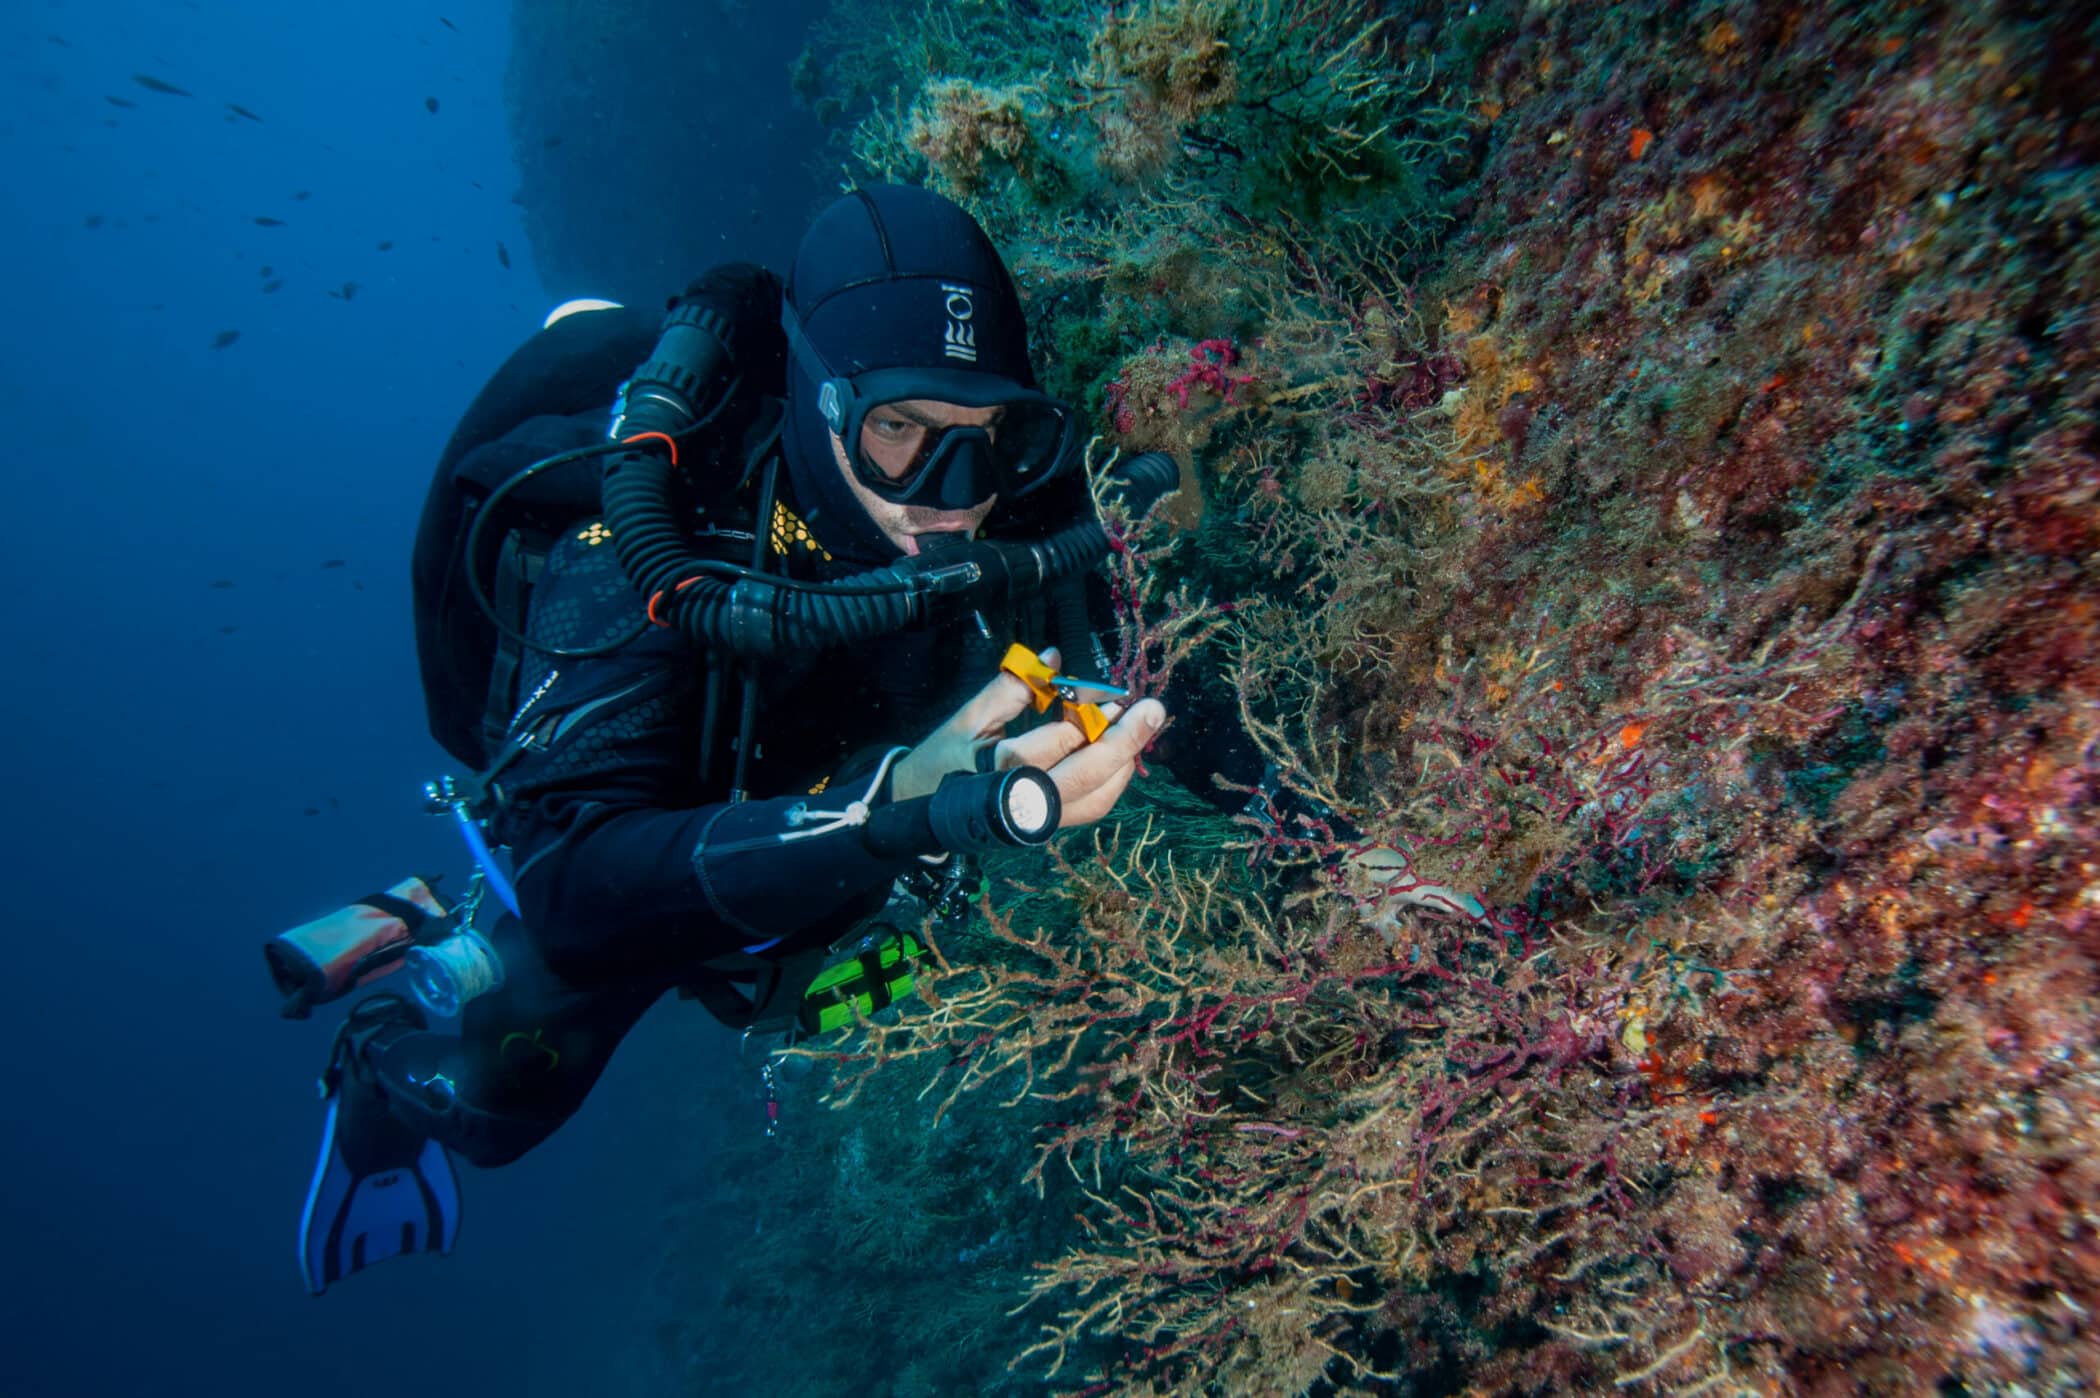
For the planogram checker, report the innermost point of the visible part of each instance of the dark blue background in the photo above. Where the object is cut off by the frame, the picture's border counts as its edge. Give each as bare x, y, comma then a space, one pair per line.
160, 1117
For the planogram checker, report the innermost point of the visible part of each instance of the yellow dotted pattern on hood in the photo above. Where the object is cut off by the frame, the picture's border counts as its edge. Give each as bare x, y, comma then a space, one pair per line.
789, 530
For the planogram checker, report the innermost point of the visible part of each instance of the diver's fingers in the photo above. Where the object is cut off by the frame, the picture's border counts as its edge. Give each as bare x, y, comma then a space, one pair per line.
992, 708
1048, 745
1099, 801
1091, 779
999, 703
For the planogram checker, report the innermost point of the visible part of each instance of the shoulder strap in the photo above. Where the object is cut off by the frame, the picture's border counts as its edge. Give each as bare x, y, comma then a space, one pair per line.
522, 559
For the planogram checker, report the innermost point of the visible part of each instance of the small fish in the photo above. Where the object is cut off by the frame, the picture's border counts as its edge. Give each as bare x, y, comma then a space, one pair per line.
228, 630
224, 338
311, 810
118, 101
267, 271
334, 805
92, 221
301, 196
272, 284
58, 40
356, 586
265, 221
153, 84
446, 22
222, 584
335, 563
430, 105
503, 256
549, 144
386, 244
346, 292
238, 110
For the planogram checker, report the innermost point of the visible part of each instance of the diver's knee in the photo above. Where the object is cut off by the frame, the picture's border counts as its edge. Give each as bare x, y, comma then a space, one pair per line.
428, 1096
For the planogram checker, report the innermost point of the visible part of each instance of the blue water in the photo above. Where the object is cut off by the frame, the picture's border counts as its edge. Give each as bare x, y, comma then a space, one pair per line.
167, 738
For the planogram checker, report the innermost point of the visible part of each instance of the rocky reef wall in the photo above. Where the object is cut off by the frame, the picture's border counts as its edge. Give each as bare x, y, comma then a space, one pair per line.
1641, 490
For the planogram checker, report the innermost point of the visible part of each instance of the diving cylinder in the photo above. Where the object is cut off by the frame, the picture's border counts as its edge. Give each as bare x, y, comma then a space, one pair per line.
446, 972
445, 975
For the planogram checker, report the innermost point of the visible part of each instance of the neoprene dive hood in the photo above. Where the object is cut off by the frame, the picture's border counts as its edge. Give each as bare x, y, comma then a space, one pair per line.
897, 295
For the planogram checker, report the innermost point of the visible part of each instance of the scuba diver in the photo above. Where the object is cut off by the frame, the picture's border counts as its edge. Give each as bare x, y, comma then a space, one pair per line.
714, 634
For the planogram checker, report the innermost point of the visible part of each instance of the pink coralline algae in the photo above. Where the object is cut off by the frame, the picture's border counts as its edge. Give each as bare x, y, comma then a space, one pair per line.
1208, 362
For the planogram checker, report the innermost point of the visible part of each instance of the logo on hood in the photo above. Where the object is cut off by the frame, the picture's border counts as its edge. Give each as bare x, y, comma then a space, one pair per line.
960, 339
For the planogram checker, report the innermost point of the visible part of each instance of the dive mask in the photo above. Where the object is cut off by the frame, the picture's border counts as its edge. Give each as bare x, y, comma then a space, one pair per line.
939, 466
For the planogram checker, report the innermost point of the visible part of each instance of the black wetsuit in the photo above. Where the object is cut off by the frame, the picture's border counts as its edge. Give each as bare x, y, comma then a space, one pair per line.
610, 826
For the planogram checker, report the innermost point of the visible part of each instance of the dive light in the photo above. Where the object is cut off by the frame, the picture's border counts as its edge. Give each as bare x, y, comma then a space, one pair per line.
969, 814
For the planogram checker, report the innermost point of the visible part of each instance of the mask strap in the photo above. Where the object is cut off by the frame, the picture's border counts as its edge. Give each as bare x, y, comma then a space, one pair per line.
813, 364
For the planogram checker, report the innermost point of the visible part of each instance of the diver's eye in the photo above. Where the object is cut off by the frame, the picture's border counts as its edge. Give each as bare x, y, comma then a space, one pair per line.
890, 429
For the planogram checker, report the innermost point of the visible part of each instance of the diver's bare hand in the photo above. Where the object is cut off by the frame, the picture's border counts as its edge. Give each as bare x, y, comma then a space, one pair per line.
1090, 777
953, 747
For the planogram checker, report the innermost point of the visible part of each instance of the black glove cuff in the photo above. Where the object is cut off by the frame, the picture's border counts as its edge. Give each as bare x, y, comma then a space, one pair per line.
767, 887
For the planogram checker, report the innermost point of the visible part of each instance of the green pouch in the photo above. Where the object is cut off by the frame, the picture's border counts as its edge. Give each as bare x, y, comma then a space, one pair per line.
877, 977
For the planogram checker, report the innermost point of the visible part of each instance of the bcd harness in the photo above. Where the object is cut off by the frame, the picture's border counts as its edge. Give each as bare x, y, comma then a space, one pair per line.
782, 987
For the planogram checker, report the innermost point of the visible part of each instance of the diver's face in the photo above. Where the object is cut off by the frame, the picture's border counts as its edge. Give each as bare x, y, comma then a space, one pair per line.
895, 437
